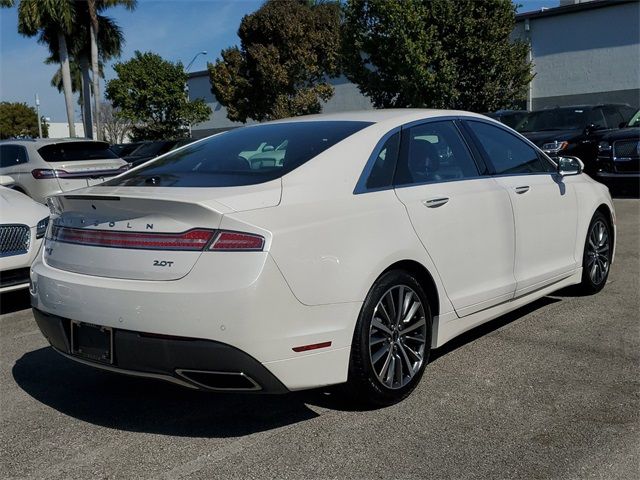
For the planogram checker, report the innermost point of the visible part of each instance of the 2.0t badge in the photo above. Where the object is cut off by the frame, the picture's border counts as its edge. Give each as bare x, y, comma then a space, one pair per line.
162, 263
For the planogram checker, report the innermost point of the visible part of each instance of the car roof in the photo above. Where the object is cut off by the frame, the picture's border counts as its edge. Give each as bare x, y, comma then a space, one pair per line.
401, 115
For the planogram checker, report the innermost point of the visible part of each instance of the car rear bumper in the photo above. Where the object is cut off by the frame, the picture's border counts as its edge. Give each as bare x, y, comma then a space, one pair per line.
256, 315
195, 363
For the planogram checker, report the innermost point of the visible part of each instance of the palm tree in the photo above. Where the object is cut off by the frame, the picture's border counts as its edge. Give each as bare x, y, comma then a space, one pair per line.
93, 7
77, 83
56, 18
110, 40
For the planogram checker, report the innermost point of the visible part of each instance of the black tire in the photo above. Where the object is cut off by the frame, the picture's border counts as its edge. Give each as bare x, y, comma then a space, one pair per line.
598, 258
363, 383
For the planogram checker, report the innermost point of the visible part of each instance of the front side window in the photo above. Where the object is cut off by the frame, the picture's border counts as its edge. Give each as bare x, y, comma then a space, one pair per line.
244, 156
12, 155
434, 152
508, 153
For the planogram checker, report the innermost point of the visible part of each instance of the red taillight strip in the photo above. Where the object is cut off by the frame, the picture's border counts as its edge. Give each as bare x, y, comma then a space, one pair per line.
44, 173
237, 241
193, 240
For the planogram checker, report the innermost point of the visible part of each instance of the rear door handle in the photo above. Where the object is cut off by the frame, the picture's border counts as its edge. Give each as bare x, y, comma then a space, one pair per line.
435, 202
522, 189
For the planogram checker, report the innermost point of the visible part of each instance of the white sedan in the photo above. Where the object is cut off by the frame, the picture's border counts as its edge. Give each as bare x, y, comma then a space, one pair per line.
379, 236
22, 226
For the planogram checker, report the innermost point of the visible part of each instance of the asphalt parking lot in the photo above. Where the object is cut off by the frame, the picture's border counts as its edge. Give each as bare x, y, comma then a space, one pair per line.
549, 391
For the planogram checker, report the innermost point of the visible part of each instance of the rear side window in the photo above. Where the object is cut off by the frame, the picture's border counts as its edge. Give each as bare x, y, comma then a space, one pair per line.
76, 151
244, 156
434, 152
12, 155
385, 164
508, 153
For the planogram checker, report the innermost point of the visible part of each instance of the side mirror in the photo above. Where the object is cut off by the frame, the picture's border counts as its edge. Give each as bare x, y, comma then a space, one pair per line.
268, 148
569, 166
6, 181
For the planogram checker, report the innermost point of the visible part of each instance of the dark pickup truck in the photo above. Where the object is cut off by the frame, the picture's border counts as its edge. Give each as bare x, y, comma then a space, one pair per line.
618, 162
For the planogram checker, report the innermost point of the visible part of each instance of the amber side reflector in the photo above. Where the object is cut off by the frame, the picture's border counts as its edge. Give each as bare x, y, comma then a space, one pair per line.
313, 346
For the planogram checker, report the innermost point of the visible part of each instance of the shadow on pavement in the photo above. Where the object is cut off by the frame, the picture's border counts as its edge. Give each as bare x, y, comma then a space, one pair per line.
14, 301
143, 405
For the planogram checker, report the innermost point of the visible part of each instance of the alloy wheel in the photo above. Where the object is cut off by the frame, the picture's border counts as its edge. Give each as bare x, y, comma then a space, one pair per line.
397, 337
598, 252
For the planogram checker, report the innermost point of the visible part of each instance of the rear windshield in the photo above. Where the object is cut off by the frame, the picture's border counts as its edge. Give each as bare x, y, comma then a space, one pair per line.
76, 151
244, 156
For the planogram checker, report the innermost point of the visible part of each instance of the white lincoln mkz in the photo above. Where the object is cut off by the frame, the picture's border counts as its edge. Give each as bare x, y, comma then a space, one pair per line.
316, 251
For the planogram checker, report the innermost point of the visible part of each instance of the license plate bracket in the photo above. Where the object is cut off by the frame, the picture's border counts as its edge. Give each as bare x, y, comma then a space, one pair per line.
92, 342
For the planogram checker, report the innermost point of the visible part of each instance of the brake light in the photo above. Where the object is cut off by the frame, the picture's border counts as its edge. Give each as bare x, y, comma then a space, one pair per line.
42, 173
237, 241
191, 240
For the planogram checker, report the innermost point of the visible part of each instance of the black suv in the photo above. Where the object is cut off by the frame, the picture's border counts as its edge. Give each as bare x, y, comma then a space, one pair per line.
574, 131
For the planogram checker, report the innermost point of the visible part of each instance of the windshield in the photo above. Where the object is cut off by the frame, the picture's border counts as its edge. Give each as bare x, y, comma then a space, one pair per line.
635, 120
244, 156
559, 119
76, 151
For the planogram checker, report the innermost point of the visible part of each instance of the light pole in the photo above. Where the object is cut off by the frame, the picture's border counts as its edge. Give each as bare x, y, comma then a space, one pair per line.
38, 115
186, 86
203, 52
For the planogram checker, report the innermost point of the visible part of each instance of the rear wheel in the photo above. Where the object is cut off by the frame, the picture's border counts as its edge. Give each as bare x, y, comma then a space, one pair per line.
596, 260
392, 340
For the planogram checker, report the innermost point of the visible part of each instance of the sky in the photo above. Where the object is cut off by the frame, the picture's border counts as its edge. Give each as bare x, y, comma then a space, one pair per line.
175, 29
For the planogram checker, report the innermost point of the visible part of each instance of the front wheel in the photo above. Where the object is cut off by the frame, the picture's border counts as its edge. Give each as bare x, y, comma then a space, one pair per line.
392, 340
598, 250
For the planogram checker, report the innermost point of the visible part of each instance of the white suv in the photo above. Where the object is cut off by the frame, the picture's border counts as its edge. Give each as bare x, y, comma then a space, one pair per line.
44, 167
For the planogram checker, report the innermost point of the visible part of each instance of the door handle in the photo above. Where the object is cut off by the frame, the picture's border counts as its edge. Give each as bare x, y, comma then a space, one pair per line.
435, 202
522, 189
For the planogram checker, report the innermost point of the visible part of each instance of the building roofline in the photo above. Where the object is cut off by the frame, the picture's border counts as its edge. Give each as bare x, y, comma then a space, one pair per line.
199, 73
566, 9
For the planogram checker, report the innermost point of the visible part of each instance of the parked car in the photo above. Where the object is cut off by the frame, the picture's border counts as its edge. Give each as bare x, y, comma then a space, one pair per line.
511, 118
619, 156
382, 234
22, 226
574, 131
45, 167
150, 150
124, 149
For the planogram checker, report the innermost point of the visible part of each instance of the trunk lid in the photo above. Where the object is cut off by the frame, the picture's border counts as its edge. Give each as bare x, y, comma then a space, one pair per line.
147, 222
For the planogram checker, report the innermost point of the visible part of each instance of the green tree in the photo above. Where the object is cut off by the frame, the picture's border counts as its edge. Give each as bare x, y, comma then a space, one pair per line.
51, 19
150, 92
436, 53
288, 49
20, 120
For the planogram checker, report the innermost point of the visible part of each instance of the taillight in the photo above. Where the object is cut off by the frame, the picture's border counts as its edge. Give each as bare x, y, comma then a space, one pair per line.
42, 173
192, 240
237, 241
